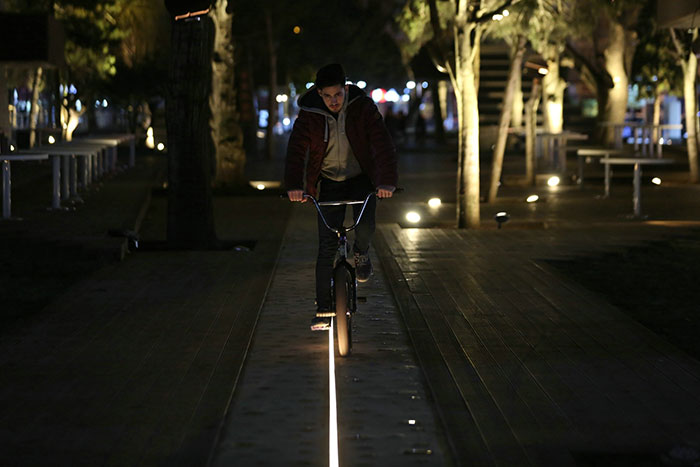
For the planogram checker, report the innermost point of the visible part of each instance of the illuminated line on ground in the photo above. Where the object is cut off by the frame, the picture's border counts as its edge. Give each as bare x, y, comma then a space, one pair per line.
332, 405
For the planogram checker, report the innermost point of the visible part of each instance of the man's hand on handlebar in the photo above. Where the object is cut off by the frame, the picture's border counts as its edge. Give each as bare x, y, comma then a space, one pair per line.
296, 195
385, 191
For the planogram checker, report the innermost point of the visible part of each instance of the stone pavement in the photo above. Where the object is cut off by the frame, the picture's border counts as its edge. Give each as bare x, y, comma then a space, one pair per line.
196, 358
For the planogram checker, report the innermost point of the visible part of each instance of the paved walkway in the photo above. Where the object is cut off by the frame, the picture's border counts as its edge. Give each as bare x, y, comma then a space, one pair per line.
195, 358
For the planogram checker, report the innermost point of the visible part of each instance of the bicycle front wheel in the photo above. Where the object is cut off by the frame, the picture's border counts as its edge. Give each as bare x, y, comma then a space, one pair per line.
342, 288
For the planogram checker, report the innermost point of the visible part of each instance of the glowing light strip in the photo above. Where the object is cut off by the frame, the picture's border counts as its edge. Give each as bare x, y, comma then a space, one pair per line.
332, 405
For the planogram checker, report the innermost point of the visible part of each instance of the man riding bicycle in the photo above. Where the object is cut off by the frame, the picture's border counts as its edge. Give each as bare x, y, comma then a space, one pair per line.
341, 148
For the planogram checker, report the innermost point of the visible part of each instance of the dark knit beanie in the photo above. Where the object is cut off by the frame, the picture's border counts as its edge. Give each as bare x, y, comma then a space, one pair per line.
330, 75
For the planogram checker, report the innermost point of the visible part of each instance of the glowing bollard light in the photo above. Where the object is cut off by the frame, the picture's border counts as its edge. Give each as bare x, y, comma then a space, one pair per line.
434, 202
532, 199
656, 181
553, 181
413, 217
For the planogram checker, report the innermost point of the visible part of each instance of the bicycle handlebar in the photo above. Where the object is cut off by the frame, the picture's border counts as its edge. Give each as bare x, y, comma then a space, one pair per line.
318, 205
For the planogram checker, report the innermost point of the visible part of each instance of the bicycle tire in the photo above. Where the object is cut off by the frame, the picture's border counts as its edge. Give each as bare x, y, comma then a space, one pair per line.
342, 287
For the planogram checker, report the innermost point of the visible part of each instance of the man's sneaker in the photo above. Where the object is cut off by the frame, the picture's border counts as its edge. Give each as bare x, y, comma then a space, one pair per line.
363, 267
320, 324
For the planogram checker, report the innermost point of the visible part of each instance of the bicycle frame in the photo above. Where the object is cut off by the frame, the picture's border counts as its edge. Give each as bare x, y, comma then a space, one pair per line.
345, 298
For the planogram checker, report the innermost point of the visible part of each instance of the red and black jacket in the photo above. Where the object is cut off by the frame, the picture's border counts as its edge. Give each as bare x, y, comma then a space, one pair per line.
366, 132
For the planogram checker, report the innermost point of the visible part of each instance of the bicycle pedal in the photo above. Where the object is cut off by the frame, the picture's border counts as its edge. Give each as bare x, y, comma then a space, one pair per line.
325, 314
362, 299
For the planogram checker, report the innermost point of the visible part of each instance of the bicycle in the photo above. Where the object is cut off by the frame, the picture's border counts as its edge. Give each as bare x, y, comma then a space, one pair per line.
344, 282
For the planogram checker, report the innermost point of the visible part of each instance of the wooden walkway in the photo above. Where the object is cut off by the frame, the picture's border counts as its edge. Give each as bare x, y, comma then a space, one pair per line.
529, 368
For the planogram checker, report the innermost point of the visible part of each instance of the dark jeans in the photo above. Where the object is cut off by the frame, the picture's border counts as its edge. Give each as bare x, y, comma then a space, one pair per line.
355, 188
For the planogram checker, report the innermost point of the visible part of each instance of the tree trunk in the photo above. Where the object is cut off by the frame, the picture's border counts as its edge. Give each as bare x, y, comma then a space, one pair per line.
553, 96
690, 70
272, 101
34, 111
517, 106
227, 135
504, 120
468, 214
616, 103
190, 147
438, 115
656, 116
530, 131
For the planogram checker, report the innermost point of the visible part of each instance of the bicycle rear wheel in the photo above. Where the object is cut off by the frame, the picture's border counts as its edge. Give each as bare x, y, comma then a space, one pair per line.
342, 288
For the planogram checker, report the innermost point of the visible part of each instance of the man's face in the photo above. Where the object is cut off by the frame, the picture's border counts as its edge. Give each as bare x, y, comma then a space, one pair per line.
333, 97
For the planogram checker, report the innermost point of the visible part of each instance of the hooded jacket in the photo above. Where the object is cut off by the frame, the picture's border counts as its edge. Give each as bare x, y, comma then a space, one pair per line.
366, 133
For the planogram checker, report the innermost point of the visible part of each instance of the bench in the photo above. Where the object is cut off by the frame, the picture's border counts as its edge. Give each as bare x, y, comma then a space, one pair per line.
604, 153
637, 162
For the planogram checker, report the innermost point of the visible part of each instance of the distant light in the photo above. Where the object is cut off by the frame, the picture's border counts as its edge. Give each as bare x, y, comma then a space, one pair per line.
160, 146
661, 141
150, 142
506, 12
392, 95
553, 181
413, 217
260, 186
286, 121
72, 90
542, 70
361, 84
104, 103
654, 78
260, 134
12, 148
282, 98
497, 17
411, 422
411, 84
296, 30
405, 98
424, 85
532, 199
78, 105
378, 95
52, 139
656, 181
434, 202
616, 79
309, 85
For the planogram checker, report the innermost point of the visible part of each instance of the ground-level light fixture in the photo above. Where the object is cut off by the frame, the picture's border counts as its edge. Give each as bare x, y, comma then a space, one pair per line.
532, 199
413, 217
260, 186
656, 181
160, 146
501, 218
553, 181
434, 202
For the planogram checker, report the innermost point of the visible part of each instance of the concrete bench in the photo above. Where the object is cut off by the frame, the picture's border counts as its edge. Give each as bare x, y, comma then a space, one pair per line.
6, 159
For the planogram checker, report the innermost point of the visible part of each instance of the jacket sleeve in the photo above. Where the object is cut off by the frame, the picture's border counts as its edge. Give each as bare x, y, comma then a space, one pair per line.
382, 146
297, 149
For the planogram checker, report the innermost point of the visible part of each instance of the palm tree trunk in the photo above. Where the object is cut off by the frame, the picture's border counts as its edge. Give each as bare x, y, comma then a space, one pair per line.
190, 223
690, 71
